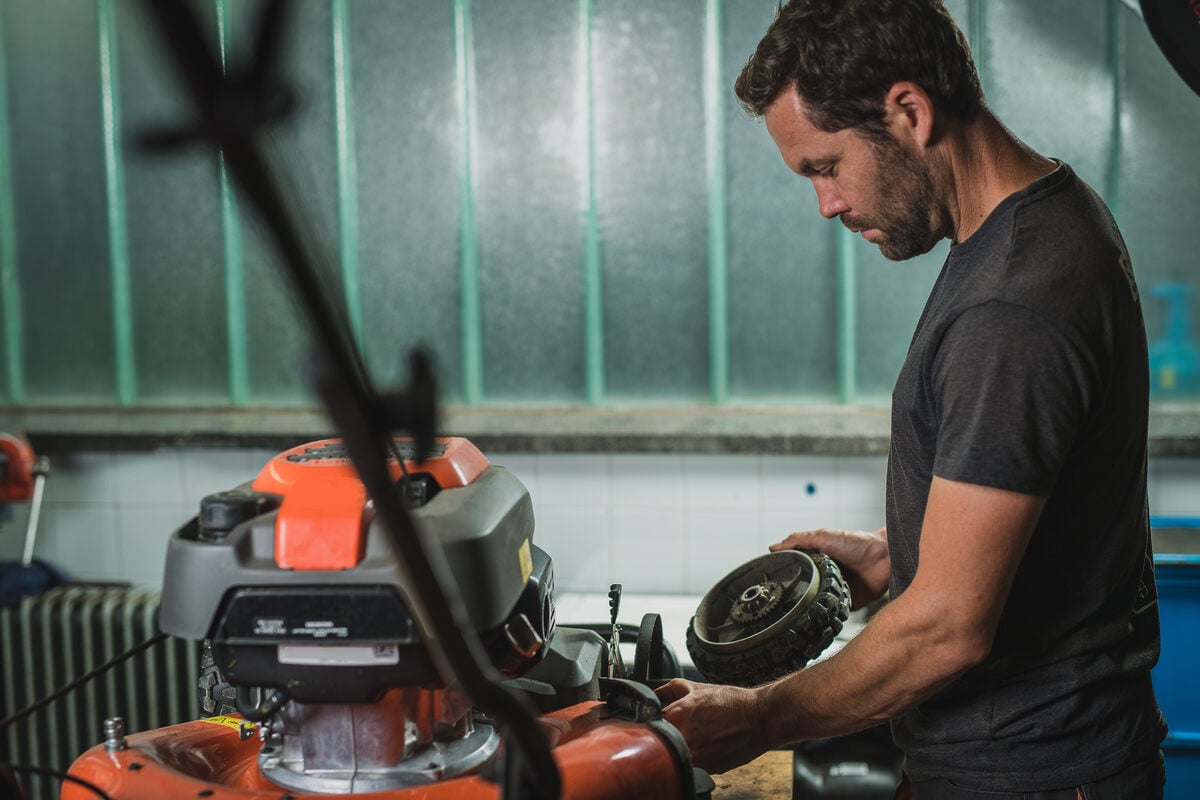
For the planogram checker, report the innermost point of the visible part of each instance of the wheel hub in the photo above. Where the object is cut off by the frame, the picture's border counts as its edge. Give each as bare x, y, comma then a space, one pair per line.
756, 601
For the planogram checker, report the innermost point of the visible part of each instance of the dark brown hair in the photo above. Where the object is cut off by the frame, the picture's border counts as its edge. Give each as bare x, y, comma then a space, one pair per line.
843, 56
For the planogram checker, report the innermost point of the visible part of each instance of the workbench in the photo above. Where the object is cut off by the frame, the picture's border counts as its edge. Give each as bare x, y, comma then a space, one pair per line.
768, 776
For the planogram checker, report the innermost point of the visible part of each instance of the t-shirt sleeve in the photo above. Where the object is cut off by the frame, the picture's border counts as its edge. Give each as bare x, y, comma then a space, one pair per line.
1012, 393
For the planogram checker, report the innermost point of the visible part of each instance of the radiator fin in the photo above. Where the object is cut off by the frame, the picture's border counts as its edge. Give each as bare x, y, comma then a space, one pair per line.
58, 636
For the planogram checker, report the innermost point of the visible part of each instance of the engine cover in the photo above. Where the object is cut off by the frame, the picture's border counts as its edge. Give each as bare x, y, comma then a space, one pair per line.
298, 587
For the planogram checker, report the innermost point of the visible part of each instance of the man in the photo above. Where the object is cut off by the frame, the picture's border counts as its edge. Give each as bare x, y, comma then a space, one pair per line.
1013, 657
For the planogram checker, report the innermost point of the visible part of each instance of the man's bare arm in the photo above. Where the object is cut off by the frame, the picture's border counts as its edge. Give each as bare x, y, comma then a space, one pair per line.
972, 541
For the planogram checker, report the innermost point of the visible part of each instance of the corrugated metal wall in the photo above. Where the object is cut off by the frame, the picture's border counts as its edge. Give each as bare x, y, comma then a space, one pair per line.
560, 197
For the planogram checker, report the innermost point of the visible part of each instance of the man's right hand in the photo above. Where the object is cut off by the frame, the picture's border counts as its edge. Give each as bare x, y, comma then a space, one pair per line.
862, 555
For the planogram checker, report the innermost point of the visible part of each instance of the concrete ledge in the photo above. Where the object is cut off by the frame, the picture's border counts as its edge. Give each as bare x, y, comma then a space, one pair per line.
824, 430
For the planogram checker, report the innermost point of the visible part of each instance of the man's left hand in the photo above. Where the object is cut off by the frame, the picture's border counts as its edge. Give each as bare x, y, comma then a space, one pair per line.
723, 725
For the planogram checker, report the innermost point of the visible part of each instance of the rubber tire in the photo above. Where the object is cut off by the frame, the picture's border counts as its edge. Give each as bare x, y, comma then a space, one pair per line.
217, 697
812, 632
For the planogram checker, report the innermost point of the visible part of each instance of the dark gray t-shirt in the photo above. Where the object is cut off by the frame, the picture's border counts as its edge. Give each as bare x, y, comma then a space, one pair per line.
1028, 372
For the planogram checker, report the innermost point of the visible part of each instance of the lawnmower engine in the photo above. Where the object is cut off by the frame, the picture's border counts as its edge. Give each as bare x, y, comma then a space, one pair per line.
298, 592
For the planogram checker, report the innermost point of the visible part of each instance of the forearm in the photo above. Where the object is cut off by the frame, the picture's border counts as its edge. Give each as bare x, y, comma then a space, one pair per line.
901, 658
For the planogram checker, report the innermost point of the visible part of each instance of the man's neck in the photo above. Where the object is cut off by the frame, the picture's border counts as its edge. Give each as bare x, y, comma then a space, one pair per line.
985, 163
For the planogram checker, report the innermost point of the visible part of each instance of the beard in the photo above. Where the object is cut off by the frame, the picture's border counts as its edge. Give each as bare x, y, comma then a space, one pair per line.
904, 192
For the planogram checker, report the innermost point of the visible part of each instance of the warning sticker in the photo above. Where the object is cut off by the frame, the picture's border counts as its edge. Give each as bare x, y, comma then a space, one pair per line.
526, 557
324, 655
229, 722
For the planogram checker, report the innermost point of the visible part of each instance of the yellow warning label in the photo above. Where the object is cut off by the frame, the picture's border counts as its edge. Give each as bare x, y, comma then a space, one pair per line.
229, 722
526, 557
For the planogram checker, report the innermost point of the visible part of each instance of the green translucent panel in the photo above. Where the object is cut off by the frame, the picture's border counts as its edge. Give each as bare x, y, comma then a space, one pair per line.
406, 141
529, 170
302, 152
782, 257
174, 231
891, 296
1048, 79
1160, 191
52, 52
651, 192
1048, 69
12, 381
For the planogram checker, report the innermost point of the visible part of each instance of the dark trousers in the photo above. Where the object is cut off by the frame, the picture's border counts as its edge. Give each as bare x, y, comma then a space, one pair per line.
1141, 781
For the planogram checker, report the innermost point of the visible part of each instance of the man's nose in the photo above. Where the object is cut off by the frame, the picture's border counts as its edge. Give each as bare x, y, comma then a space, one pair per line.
829, 201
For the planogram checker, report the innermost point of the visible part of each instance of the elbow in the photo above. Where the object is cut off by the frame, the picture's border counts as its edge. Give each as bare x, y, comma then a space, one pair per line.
963, 646
972, 649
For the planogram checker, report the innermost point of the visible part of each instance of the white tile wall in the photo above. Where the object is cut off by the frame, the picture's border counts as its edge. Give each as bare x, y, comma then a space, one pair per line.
1175, 487
657, 523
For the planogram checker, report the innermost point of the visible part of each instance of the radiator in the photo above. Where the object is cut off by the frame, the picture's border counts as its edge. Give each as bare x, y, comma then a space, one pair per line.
58, 636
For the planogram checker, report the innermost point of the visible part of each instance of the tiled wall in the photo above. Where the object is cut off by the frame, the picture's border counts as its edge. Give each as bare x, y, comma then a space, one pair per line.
655, 523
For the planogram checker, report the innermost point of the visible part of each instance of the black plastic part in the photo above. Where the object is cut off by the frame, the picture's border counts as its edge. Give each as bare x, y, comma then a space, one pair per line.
259, 708
223, 511
1175, 26
217, 696
537, 605
630, 700
671, 668
255, 621
568, 674
649, 659
418, 489
862, 766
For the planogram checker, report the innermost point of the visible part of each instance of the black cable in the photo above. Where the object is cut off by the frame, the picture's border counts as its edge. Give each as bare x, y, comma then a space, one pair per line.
259, 710
62, 776
75, 684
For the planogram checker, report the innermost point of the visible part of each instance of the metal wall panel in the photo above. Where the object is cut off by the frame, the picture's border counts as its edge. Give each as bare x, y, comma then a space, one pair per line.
651, 186
783, 282
406, 134
54, 94
172, 216
530, 179
561, 200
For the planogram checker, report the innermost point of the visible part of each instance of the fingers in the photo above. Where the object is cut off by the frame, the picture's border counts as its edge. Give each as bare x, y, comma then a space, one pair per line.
805, 540
675, 689
720, 723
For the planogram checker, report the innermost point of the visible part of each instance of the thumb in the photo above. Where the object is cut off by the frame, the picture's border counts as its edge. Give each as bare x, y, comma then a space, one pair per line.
675, 689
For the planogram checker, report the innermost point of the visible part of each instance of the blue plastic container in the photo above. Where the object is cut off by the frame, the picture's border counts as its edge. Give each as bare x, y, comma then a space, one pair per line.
1177, 572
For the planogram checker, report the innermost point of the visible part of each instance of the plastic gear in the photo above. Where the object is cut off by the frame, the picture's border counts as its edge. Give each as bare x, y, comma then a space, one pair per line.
757, 601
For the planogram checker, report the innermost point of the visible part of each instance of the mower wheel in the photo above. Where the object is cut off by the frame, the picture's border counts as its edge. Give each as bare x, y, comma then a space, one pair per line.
768, 618
217, 696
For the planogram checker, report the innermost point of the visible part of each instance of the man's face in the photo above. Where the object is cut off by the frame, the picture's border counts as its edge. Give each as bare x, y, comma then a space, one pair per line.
880, 190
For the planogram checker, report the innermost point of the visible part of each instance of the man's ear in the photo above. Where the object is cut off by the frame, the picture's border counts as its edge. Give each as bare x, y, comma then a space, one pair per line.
910, 114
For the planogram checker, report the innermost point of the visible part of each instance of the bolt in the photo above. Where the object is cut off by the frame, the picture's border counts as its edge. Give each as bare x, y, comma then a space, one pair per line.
114, 734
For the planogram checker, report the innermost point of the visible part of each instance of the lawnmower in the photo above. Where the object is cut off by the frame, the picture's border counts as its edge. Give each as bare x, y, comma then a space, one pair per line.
316, 676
